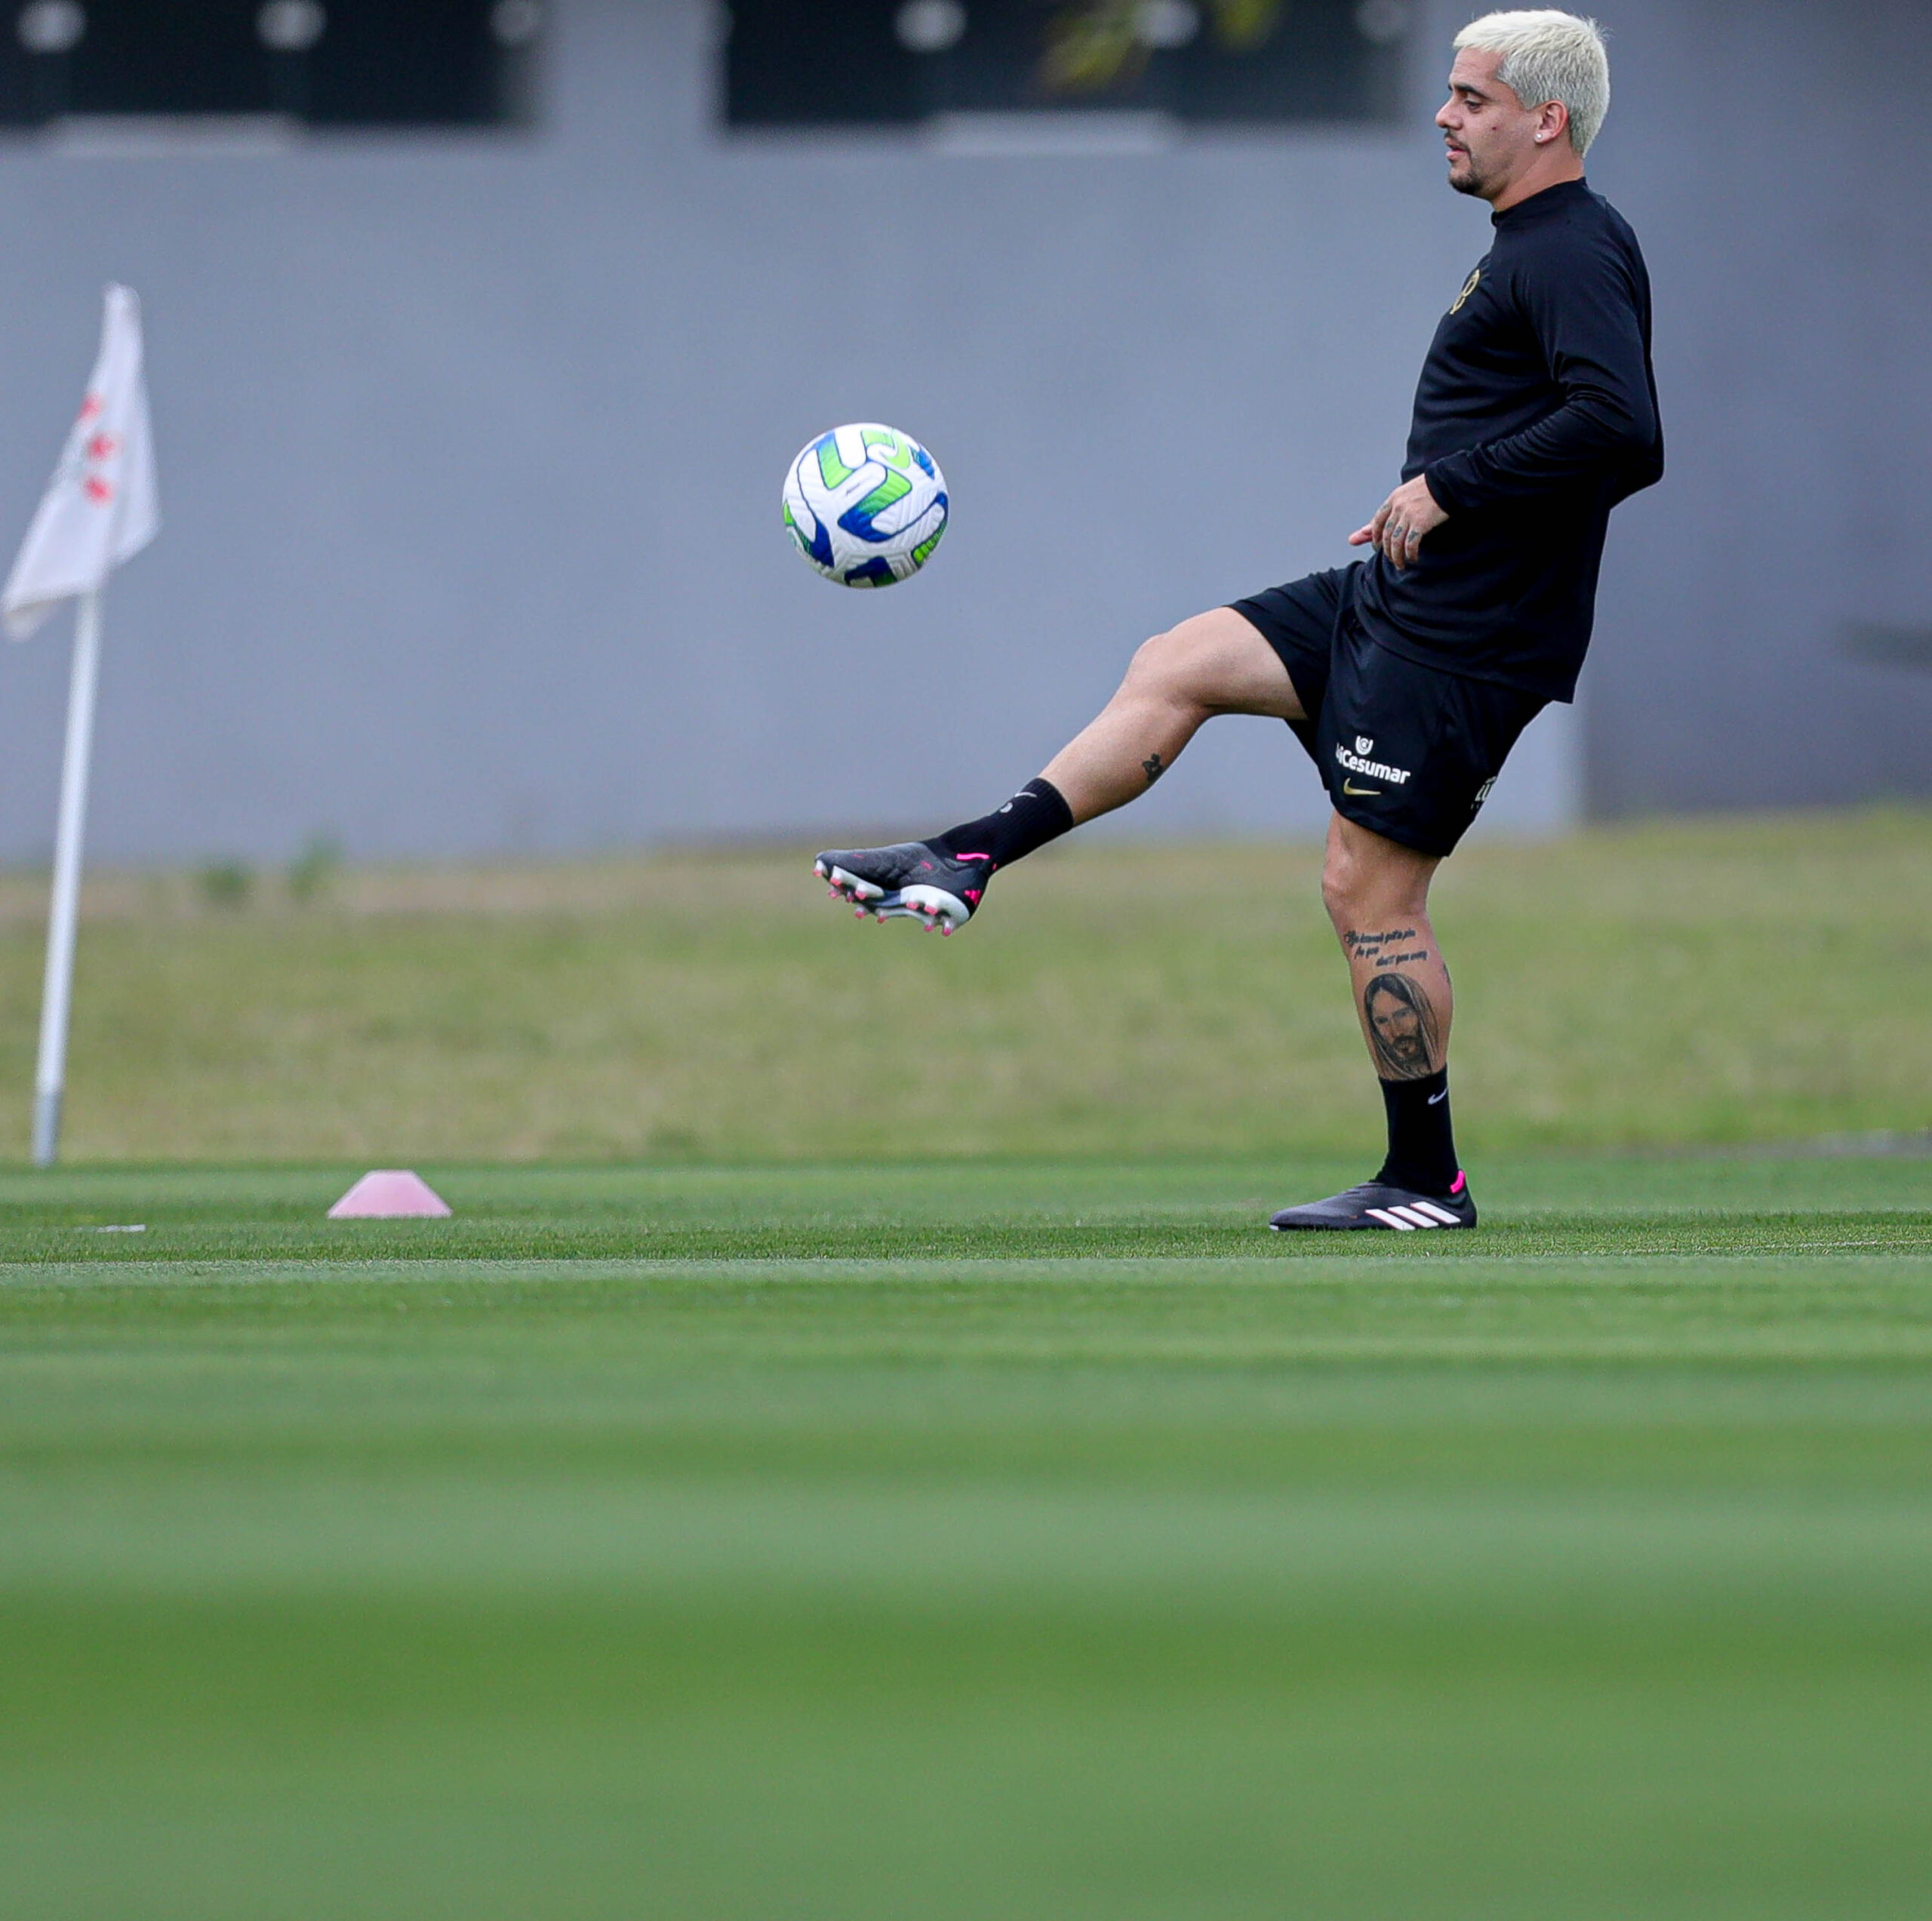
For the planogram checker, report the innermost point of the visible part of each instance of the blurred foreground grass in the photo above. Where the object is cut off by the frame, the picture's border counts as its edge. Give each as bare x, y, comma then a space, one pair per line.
1040, 1542
1705, 982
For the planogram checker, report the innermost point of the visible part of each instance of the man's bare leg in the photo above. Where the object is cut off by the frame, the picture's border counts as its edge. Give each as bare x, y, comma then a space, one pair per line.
1376, 893
1216, 662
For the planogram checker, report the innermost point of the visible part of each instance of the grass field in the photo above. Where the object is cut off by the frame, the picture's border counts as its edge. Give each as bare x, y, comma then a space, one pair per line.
1003, 1539
1717, 982
789, 1487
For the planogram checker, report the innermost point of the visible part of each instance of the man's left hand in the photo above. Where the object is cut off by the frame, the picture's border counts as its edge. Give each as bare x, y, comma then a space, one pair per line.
1402, 523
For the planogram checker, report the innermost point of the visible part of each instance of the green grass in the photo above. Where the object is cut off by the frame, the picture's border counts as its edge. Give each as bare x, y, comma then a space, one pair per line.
926, 1491
1714, 982
1002, 1539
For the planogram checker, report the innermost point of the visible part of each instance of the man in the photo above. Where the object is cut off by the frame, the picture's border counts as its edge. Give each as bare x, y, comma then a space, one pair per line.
1407, 675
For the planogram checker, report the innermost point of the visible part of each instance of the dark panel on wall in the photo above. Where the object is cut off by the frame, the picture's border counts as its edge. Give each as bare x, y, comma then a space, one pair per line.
842, 65
896, 62
350, 63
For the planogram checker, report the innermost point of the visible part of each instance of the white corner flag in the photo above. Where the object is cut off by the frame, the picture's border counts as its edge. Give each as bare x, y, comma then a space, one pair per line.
100, 509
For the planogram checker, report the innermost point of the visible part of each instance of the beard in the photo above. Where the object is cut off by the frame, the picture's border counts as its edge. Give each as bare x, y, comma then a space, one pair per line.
1468, 179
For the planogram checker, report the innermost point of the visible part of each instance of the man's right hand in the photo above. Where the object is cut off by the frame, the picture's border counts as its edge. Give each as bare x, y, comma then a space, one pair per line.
1401, 524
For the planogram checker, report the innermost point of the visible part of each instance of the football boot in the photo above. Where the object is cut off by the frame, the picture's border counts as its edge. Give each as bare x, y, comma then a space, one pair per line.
910, 881
1376, 1204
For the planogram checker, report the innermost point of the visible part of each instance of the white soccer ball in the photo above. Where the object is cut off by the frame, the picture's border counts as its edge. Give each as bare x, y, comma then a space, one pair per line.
866, 505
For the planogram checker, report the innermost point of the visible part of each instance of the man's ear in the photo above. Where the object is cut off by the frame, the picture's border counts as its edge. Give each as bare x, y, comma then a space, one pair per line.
1552, 121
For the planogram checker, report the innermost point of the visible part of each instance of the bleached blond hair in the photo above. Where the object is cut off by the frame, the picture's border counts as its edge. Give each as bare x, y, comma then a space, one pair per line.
1549, 56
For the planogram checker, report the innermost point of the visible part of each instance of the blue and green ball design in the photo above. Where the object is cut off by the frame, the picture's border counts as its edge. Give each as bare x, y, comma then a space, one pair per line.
866, 505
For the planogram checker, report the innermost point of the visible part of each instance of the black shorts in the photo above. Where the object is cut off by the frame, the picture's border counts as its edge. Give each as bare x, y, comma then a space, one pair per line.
1407, 751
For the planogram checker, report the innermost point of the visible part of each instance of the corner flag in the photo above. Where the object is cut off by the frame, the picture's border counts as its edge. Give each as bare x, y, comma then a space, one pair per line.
99, 510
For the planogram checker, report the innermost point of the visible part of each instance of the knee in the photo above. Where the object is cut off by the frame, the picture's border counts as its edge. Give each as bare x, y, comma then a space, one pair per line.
1167, 668
1158, 663
1360, 890
1342, 889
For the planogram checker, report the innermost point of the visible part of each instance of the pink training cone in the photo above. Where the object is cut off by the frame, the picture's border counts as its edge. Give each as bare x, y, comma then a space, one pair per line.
388, 1193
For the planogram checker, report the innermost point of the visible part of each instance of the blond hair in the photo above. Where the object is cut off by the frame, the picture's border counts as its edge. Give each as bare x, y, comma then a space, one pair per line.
1549, 56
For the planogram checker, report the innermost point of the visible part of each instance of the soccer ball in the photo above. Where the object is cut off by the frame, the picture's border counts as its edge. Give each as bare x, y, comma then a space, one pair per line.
865, 505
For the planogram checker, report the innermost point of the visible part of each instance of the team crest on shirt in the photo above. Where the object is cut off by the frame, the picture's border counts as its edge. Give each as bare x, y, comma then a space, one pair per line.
1469, 287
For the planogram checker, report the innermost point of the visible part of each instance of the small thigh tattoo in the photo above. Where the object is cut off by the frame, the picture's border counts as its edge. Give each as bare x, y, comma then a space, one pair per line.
1401, 1026
1153, 767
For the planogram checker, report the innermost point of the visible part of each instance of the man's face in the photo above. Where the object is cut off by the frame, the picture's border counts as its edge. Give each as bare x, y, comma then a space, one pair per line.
1400, 1029
1491, 136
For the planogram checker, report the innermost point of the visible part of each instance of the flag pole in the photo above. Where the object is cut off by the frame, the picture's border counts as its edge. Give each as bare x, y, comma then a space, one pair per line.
50, 1076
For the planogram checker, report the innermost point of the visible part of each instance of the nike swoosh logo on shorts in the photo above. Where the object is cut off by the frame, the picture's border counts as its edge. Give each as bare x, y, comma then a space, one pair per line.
1350, 787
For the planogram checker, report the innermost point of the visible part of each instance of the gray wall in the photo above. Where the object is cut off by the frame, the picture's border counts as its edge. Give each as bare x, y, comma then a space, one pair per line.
470, 451
1774, 156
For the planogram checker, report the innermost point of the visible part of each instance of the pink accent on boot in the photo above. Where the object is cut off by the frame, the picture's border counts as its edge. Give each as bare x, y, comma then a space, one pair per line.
1462, 1181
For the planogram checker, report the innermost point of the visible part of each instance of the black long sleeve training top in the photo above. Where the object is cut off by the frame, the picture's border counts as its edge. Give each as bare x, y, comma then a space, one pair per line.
1536, 412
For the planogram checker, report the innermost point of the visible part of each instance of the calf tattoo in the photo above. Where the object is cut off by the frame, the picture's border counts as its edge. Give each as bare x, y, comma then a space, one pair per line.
1401, 1026
1152, 767
1371, 947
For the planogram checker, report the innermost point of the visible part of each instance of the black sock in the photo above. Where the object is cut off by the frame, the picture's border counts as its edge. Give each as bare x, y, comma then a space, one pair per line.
1036, 814
1422, 1146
